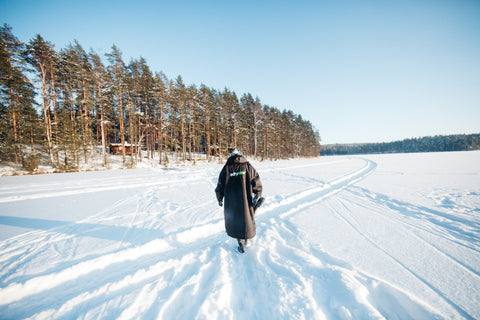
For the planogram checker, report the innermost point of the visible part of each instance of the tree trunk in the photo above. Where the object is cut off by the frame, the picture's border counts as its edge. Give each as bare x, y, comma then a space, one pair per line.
85, 117
46, 114
182, 124
102, 127
14, 121
55, 120
160, 145
122, 131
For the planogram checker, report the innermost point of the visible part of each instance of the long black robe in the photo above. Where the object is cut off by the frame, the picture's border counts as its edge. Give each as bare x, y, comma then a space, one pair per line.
237, 181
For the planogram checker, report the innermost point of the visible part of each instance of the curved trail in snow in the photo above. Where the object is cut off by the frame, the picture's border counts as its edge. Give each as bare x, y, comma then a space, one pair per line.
161, 252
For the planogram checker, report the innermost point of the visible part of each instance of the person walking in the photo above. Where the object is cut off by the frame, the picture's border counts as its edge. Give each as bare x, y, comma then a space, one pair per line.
239, 191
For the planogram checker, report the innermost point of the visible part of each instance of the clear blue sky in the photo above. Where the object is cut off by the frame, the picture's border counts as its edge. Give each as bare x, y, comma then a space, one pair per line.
360, 71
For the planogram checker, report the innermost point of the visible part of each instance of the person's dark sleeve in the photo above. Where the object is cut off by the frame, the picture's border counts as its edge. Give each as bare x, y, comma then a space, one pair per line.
255, 181
219, 190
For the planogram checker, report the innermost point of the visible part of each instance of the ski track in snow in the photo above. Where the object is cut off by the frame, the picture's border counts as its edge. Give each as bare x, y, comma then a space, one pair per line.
471, 273
161, 252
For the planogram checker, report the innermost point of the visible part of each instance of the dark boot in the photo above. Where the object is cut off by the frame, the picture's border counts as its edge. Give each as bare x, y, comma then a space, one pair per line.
241, 247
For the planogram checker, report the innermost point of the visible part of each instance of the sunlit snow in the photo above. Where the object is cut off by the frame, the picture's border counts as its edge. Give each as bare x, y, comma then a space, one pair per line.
362, 237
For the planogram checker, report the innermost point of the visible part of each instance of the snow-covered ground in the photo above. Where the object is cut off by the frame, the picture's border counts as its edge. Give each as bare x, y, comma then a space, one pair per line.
361, 237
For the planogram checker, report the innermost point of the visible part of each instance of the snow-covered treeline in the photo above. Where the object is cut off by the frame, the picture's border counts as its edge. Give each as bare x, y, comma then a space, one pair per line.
439, 143
84, 102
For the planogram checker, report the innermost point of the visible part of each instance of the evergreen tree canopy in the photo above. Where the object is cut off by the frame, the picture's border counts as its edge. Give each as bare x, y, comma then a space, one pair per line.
460, 142
87, 103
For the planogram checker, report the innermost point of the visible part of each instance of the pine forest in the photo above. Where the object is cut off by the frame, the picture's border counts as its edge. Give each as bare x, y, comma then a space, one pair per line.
70, 104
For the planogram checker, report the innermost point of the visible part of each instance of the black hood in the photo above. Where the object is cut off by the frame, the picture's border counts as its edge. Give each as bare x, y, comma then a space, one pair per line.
236, 159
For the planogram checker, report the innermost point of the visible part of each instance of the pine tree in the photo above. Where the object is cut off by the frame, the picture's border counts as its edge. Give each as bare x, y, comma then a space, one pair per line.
103, 94
41, 55
266, 129
117, 71
84, 95
135, 110
71, 139
231, 106
160, 98
253, 120
206, 106
142, 93
179, 114
18, 119
193, 121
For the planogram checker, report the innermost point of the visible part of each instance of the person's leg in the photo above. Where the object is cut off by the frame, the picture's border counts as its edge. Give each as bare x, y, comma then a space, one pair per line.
241, 247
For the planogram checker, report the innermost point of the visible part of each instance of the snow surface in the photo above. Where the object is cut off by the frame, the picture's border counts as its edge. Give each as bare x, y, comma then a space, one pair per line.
361, 237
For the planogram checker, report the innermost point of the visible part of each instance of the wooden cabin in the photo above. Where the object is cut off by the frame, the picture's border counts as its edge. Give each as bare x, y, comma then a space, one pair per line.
116, 149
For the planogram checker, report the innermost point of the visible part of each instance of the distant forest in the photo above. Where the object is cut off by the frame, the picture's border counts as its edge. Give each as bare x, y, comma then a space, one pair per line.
78, 103
461, 142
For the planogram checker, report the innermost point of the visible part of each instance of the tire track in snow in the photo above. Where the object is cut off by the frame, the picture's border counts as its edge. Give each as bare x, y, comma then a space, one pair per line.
348, 219
154, 279
307, 283
444, 227
115, 184
420, 227
417, 228
299, 201
198, 275
451, 225
287, 206
24, 248
304, 271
